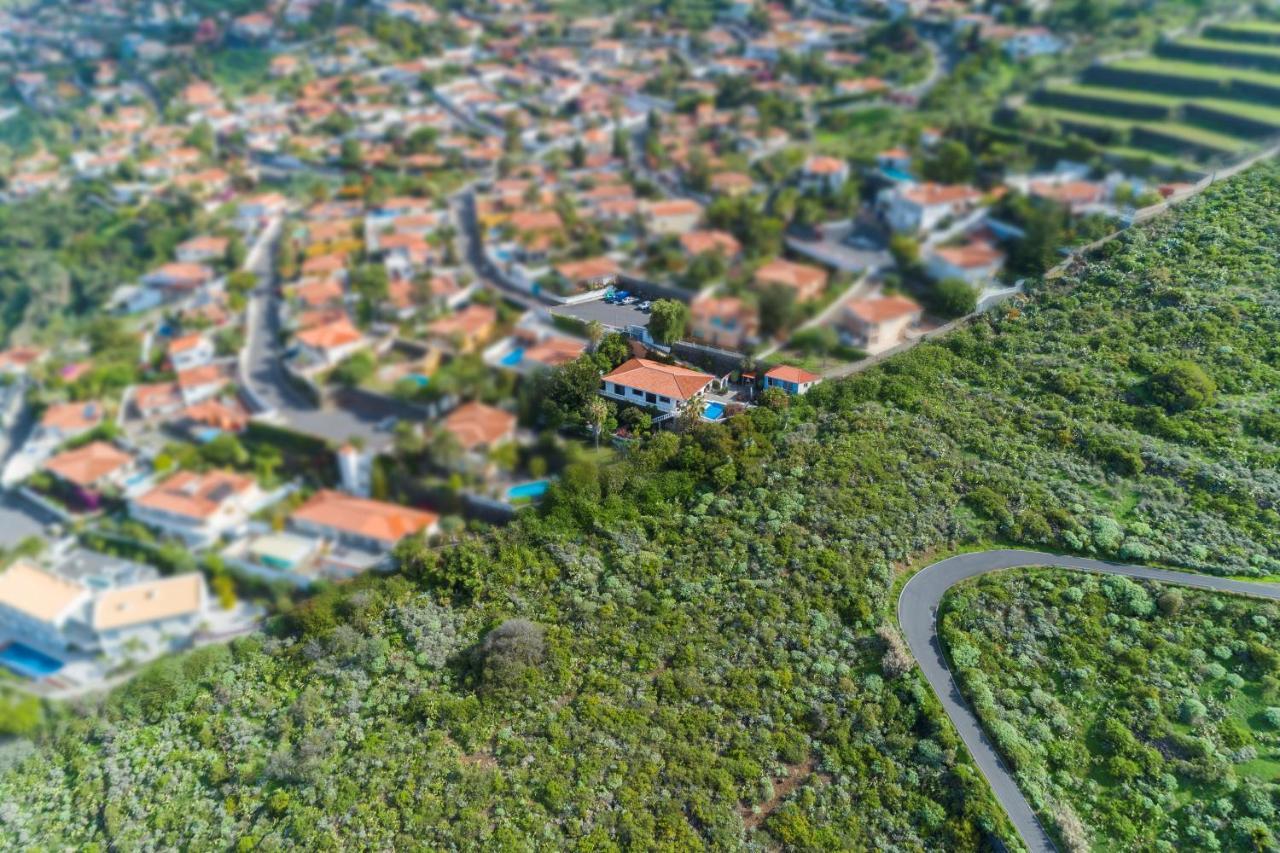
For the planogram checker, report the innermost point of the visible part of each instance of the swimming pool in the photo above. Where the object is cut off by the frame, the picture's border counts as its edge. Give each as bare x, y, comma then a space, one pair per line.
421, 380
528, 491
897, 175
513, 358
28, 662
713, 411
206, 434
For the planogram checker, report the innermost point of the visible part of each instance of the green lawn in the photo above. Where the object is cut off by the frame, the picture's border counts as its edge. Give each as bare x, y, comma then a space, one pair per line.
1118, 95
1195, 70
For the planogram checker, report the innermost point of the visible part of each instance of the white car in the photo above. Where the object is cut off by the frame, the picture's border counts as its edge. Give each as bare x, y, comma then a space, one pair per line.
645, 306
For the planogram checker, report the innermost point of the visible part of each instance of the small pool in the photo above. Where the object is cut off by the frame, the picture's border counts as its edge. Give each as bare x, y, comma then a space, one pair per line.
713, 411
897, 175
206, 434
419, 379
513, 358
28, 662
528, 491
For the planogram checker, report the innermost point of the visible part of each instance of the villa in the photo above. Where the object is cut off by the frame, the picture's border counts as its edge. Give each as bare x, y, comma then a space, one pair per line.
668, 388
361, 523
198, 508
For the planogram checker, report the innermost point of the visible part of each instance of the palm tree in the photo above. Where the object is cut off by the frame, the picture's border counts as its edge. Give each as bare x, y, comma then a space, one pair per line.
595, 331
596, 412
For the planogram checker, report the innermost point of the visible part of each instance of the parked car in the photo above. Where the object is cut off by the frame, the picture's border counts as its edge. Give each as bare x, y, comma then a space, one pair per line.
645, 306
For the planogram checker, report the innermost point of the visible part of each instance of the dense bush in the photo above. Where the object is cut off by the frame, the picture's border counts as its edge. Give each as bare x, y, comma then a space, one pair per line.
1110, 709
711, 674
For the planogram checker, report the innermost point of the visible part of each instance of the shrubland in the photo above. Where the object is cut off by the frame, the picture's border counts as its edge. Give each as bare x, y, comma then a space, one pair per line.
1136, 715
694, 644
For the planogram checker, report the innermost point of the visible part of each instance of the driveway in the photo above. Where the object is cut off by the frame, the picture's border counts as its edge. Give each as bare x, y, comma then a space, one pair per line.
918, 614
19, 520
607, 314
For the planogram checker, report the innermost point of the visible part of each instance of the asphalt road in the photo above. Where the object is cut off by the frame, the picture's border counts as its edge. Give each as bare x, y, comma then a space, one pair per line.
917, 614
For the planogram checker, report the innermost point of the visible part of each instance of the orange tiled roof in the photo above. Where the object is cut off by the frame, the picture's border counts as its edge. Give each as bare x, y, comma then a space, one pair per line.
338, 333
193, 495
72, 417
385, 522
654, 377
881, 309
787, 373
86, 465
477, 425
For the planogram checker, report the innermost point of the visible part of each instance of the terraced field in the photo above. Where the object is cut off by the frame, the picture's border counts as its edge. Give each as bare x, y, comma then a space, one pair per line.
1208, 99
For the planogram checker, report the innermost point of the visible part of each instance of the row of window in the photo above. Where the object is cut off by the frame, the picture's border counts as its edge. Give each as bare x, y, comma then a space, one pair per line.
648, 397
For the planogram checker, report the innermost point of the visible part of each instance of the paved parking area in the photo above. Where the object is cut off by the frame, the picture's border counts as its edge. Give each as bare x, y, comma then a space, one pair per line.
18, 520
606, 314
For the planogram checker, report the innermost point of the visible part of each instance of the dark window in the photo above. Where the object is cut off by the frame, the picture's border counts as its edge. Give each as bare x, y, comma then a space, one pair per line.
618, 389
650, 398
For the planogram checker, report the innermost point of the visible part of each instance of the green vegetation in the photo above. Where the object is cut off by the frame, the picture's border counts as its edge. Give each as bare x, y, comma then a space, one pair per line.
704, 658
1135, 715
1202, 97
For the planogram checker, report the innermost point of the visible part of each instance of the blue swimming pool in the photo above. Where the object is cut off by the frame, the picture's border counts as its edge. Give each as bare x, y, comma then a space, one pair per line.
28, 662
713, 411
418, 379
528, 491
206, 434
897, 175
513, 358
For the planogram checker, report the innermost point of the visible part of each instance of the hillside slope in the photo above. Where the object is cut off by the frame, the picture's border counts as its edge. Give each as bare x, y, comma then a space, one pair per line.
701, 665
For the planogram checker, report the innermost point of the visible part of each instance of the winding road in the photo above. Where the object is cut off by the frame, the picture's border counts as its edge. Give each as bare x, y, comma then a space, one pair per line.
918, 616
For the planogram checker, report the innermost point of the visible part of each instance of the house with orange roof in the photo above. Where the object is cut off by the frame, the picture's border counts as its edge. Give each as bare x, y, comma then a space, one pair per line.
479, 427
332, 342
201, 249
793, 380
361, 523
157, 399
18, 360
824, 174
468, 329
203, 382
222, 415
727, 322
179, 277
92, 467
915, 208
152, 615
188, 351
805, 280
197, 508
976, 262
588, 274
878, 323
711, 241
62, 422
669, 388
674, 216
39, 605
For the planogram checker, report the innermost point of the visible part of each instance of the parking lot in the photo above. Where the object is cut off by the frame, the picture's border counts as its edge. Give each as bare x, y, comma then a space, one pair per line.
611, 316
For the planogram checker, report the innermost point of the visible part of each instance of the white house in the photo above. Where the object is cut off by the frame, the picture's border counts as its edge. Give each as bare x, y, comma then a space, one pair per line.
188, 351
668, 388
879, 322
824, 174
198, 508
331, 343
976, 262
914, 208
39, 606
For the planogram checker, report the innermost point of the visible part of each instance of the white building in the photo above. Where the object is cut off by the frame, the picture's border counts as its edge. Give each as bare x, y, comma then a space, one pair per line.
668, 388
915, 208
198, 508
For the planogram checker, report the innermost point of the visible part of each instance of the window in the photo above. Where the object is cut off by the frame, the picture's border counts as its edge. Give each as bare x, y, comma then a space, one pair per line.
637, 392
662, 399
618, 389
650, 398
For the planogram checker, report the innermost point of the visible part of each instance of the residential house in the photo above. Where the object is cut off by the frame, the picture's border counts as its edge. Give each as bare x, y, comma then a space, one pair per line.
203, 249
150, 616
179, 277
916, 208
157, 400
361, 523
709, 241
668, 388
879, 323
203, 383
727, 322
198, 508
39, 606
977, 262
675, 216
189, 351
805, 280
478, 427
467, 330
824, 174
793, 380
61, 422
91, 468
332, 342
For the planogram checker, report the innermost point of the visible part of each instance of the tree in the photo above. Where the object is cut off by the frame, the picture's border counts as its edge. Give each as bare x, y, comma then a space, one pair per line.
905, 250
509, 652
952, 163
355, 370
596, 412
612, 351
1182, 386
668, 320
777, 309
954, 297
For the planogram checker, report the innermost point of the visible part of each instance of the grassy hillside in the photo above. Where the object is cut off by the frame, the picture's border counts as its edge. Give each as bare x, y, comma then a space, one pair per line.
1151, 714
704, 658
